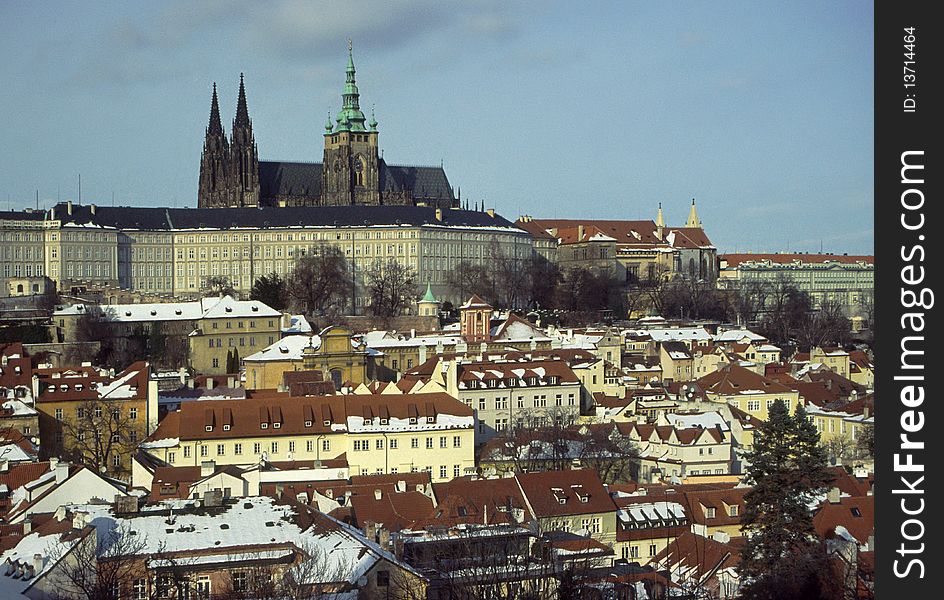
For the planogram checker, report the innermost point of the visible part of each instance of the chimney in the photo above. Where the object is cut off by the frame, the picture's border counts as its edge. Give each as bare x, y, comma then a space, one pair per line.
579, 233
62, 472
53, 461
209, 383
439, 214
401, 486
207, 467
92, 208
213, 497
833, 495
27, 526
378, 494
69, 208
721, 536
231, 381
37, 563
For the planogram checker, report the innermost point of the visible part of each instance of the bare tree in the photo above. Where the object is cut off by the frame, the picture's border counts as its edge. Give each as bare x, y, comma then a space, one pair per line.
320, 280
100, 431
220, 285
748, 300
467, 279
391, 287
102, 565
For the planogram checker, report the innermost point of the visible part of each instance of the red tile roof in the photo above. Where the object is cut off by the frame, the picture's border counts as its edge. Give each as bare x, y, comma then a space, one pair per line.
559, 493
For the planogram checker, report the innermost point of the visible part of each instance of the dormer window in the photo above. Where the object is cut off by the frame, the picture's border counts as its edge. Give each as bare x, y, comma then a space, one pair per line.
209, 428
264, 425
228, 309
254, 308
307, 423
226, 427
562, 500
430, 419
383, 421
277, 425
327, 423
412, 420
368, 421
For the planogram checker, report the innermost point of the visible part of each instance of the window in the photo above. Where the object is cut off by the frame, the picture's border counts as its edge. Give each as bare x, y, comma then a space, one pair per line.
58, 414
442, 472
204, 451
393, 444
652, 550
442, 442
139, 589
733, 510
240, 581
275, 447
257, 448
325, 445
709, 512
383, 578
291, 446
237, 448
456, 471
309, 445
186, 451
753, 405
429, 443
133, 414
379, 444
116, 461
414, 442
171, 457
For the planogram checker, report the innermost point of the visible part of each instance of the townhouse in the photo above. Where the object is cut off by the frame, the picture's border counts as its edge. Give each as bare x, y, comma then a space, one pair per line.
378, 433
746, 390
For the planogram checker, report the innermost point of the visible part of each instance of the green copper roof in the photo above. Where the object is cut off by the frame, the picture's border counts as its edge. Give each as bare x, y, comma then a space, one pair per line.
350, 118
429, 297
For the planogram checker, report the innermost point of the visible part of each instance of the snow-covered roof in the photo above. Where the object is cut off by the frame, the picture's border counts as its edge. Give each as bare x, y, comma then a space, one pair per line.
17, 408
288, 348
736, 335
205, 308
675, 334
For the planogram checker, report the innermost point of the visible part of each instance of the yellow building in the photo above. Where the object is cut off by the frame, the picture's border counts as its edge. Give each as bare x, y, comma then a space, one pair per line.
376, 433
94, 418
334, 352
746, 390
573, 501
174, 251
218, 330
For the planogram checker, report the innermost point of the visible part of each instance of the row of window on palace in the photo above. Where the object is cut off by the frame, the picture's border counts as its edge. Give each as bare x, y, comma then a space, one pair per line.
274, 447
754, 405
538, 401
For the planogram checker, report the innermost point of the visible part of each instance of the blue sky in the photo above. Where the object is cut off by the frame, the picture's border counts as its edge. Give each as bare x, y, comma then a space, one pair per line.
761, 111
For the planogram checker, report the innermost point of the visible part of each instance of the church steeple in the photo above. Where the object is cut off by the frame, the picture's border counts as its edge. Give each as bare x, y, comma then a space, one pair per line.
242, 109
244, 159
216, 124
660, 222
214, 185
693, 220
350, 118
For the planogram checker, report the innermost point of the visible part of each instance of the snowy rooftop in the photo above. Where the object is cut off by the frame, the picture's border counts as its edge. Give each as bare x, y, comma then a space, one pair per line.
205, 308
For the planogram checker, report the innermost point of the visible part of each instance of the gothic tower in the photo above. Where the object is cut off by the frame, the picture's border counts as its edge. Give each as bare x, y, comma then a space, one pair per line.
214, 162
244, 156
351, 165
693, 220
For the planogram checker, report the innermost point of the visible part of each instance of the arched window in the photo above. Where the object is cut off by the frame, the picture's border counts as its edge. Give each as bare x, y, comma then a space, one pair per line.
691, 267
336, 378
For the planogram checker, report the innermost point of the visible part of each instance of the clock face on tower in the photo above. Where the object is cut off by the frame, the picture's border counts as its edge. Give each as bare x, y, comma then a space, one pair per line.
358, 165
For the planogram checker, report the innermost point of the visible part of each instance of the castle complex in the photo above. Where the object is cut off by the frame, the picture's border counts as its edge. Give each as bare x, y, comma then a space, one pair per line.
352, 171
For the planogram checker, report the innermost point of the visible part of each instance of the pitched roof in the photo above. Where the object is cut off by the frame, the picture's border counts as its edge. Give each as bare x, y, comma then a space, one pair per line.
563, 493
735, 379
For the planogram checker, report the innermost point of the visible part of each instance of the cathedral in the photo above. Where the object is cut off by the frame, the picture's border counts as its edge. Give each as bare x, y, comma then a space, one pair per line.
352, 172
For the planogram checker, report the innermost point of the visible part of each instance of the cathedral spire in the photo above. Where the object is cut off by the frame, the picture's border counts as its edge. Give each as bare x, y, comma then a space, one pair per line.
242, 109
350, 118
693, 220
660, 218
216, 124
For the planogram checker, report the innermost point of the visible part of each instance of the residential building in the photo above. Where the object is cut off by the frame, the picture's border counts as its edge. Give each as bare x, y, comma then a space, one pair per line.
378, 433
570, 501
96, 417
746, 390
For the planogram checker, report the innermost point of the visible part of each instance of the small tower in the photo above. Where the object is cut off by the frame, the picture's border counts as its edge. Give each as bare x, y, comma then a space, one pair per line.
475, 320
308, 355
693, 220
428, 305
660, 222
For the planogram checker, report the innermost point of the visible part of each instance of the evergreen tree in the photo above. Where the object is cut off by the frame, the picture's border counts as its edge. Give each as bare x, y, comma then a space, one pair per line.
270, 290
783, 557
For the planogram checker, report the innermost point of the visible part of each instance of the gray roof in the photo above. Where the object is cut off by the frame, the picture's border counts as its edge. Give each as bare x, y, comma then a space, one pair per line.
164, 219
304, 180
